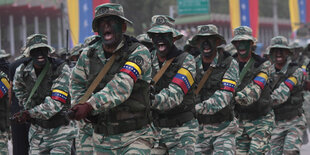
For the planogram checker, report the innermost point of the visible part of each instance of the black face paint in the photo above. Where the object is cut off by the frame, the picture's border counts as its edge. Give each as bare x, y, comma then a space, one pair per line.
39, 56
163, 43
110, 29
244, 48
208, 47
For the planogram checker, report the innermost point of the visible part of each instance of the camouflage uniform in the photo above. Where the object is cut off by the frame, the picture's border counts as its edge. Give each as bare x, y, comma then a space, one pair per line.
83, 142
47, 104
175, 125
217, 124
253, 107
128, 77
4, 104
146, 41
287, 104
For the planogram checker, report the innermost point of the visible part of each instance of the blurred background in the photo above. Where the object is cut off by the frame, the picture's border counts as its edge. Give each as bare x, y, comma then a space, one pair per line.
267, 18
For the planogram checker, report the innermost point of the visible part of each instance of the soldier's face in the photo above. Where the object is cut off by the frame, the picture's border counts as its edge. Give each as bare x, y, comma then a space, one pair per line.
243, 47
207, 46
162, 42
279, 55
111, 30
39, 56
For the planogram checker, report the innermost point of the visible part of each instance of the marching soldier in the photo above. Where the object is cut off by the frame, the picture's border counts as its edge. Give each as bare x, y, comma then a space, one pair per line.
287, 100
173, 96
215, 113
41, 86
252, 101
119, 105
4, 102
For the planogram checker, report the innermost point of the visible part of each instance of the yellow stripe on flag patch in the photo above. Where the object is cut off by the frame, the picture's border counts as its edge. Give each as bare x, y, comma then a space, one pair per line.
187, 74
60, 91
6, 83
293, 79
134, 65
229, 81
263, 75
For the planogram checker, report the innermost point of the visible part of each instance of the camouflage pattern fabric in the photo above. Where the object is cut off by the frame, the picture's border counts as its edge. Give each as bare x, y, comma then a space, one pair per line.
177, 140
251, 93
3, 54
253, 136
84, 141
4, 135
282, 93
111, 96
217, 138
287, 135
41, 140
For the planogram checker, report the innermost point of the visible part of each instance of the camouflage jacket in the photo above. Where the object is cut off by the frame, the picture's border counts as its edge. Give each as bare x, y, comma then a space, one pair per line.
50, 106
171, 96
252, 92
111, 95
221, 98
282, 93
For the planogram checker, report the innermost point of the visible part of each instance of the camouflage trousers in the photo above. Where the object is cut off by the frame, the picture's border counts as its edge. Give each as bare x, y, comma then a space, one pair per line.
253, 136
218, 138
51, 141
306, 107
287, 136
84, 141
178, 140
133, 142
4, 143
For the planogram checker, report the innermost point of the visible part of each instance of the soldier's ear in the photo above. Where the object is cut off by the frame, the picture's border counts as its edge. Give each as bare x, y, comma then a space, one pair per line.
124, 27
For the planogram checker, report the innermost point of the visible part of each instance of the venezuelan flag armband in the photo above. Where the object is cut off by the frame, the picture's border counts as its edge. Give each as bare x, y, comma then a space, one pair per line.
304, 69
4, 86
59, 95
228, 85
132, 69
291, 82
261, 80
184, 79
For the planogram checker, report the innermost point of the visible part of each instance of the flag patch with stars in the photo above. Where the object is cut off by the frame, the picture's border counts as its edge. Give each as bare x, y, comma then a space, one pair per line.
59, 95
184, 79
261, 80
291, 82
132, 69
4, 87
229, 85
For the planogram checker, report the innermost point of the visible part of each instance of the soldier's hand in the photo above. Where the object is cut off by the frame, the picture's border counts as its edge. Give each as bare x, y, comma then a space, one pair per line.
81, 110
22, 116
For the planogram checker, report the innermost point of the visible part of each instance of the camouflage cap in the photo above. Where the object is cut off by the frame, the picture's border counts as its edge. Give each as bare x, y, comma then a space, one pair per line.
295, 45
279, 42
91, 39
230, 48
188, 44
61, 51
144, 38
3, 54
76, 50
208, 30
243, 33
108, 9
164, 24
36, 41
